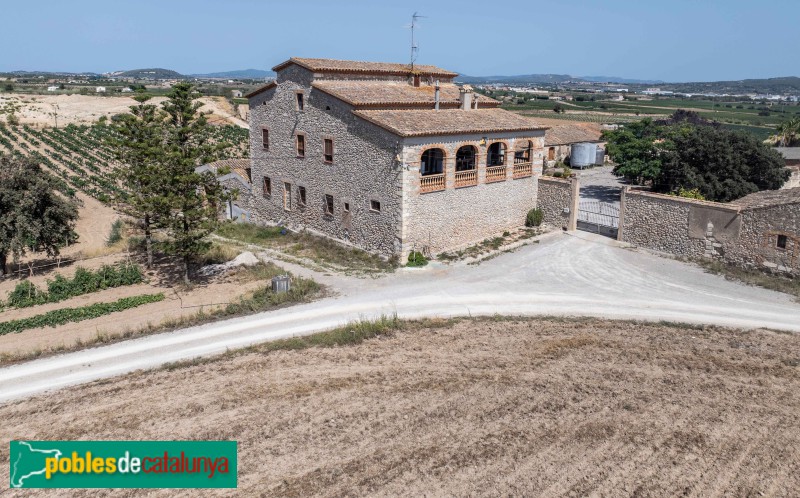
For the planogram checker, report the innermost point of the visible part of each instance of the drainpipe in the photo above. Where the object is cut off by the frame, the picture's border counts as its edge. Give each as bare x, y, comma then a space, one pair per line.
436, 96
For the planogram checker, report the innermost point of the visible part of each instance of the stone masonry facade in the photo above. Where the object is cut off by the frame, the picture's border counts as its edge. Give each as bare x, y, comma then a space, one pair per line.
370, 195
762, 235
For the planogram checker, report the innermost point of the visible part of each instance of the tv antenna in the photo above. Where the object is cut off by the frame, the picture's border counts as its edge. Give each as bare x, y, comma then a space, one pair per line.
414, 46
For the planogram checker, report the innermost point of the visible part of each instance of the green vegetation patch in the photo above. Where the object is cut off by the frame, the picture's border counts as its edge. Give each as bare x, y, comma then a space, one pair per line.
66, 315
26, 294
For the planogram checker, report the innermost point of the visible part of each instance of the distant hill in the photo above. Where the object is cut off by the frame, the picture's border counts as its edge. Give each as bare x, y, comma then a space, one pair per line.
152, 73
549, 78
245, 74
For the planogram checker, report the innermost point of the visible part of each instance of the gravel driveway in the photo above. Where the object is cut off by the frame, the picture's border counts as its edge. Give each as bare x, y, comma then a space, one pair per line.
577, 273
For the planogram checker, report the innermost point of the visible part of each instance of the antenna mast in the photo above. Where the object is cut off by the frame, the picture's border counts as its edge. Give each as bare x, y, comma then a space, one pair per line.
414, 47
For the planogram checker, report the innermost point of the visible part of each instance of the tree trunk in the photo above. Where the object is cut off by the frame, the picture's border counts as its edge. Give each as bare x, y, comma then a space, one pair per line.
148, 239
3, 264
186, 269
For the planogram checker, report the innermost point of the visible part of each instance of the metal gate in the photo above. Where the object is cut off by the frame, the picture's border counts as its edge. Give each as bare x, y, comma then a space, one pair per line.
599, 217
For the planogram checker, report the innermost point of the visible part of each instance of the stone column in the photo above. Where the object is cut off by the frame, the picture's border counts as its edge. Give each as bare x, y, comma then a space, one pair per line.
575, 197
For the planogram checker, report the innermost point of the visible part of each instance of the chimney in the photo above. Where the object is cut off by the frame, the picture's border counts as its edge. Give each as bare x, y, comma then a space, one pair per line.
466, 97
436, 96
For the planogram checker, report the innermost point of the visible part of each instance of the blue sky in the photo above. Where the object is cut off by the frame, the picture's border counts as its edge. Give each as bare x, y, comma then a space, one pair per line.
671, 40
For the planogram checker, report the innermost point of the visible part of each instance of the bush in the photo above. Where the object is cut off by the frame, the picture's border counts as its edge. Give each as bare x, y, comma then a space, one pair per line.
416, 259
26, 294
534, 218
115, 235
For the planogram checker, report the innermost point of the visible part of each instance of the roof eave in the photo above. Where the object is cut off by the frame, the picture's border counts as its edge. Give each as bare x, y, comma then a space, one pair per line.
264, 88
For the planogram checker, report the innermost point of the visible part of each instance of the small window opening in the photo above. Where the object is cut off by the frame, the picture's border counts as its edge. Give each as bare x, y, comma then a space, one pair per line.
287, 196
267, 185
301, 146
375, 205
328, 150
781, 242
301, 196
265, 139
300, 103
328, 204
346, 207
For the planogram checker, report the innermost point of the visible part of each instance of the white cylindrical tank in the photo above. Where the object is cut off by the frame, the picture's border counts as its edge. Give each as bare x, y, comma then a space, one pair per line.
582, 155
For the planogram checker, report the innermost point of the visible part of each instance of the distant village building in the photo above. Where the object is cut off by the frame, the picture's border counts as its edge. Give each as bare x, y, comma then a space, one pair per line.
127, 89
52, 88
389, 158
100, 89
236, 94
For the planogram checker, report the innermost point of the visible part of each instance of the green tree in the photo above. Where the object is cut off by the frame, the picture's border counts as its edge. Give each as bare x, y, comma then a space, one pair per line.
788, 131
194, 199
685, 153
139, 145
34, 216
8, 87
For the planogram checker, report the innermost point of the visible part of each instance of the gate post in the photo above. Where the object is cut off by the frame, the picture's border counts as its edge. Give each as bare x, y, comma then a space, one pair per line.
621, 221
575, 197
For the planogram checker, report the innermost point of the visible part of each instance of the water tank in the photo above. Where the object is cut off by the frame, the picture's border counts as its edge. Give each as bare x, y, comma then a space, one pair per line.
583, 155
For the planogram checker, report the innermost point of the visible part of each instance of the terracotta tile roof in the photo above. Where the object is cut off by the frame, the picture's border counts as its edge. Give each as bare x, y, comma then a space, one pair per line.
570, 134
361, 67
261, 89
767, 198
238, 166
428, 122
396, 94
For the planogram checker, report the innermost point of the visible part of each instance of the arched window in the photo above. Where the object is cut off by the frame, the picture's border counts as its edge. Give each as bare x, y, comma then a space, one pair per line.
465, 158
496, 155
524, 154
432, 162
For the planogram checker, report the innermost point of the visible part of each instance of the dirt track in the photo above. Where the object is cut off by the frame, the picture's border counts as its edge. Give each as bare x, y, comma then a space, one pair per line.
536, 408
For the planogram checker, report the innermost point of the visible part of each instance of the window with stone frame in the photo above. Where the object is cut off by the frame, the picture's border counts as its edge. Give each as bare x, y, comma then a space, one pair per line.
300, 100
287, 196
328, 204
327, 150
300, 144
265, 138
301, 196
375, 205
267, 186
781, 242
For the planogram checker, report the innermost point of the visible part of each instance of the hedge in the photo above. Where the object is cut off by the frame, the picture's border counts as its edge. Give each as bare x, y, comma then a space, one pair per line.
66, 315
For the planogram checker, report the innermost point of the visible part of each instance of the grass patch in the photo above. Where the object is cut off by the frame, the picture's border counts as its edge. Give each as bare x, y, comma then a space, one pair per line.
758, 278
349, 335
321, 250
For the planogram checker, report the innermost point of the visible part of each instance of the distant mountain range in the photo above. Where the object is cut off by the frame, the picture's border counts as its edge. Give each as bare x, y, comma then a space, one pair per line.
551, 79
251, 74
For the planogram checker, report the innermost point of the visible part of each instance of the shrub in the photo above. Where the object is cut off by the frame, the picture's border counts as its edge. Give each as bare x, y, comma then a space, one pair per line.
416, 259
115, 234
26, 294
534, 218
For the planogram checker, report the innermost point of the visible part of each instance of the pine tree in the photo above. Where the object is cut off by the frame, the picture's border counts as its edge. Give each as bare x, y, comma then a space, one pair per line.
34, 215
194, 198
138, 143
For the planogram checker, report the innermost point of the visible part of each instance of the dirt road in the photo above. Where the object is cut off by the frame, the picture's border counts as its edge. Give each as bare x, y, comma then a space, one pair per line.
484, 408
576, 274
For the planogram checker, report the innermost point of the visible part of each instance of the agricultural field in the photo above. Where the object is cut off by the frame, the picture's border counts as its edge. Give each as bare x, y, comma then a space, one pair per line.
496, 406
756, 118
82, 159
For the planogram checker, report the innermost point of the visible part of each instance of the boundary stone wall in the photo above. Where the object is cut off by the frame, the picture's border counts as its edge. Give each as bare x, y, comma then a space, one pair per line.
558, 199
744, 236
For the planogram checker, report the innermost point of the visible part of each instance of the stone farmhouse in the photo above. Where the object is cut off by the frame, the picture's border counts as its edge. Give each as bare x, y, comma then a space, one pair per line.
559, 140
388, 157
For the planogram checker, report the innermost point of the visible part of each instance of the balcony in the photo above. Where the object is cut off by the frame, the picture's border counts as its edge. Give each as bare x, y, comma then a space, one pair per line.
467, 178
522, 169
431, 183
495, 174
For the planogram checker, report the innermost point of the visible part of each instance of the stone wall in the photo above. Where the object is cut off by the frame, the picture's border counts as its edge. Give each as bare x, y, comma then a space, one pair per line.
364, 166
454, 218
558, 198
745, 236
794, 179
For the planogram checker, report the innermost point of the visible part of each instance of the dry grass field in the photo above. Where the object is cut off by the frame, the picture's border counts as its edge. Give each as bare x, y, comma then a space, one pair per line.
547, 407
